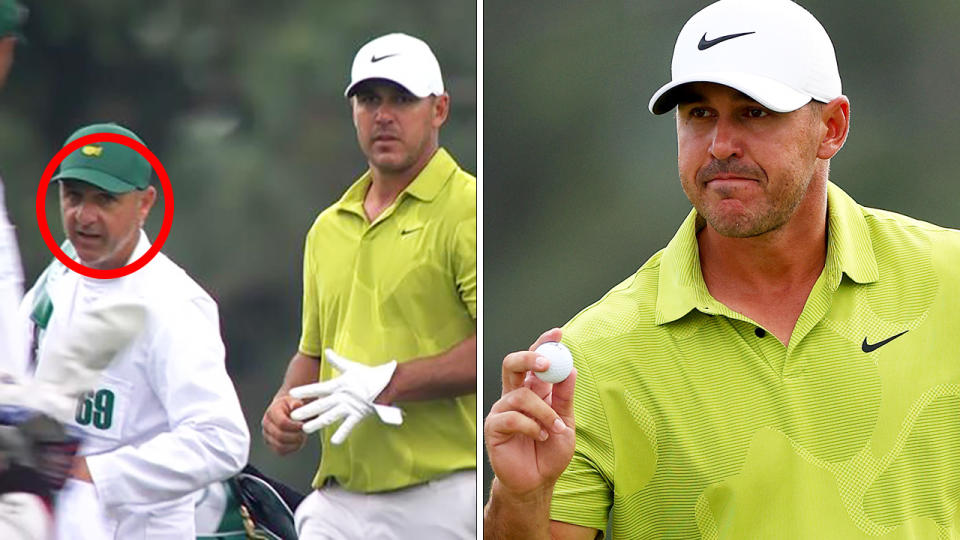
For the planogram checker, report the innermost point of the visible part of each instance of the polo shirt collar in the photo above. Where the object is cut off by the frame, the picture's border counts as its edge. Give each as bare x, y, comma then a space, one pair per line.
850, 238
431, 179
425, 186
849, 252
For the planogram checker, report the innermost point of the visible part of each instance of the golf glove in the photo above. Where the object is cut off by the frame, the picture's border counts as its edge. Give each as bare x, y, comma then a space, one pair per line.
348, 397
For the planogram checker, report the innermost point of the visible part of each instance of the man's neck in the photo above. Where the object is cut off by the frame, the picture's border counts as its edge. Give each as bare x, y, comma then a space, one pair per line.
769, 277
386, 186
119, 259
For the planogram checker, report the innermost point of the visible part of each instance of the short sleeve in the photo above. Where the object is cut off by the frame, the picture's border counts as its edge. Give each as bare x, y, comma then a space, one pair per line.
310, 333
581, 496
465, 263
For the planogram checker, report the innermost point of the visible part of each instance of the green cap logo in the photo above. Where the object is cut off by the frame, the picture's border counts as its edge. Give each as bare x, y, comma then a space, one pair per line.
92, 150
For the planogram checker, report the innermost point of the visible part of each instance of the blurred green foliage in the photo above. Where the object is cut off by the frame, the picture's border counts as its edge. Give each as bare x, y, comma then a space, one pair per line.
243, 104
581, 182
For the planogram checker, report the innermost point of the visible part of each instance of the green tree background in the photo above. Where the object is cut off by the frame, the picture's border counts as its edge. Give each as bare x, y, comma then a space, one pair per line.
581, 182
243, 104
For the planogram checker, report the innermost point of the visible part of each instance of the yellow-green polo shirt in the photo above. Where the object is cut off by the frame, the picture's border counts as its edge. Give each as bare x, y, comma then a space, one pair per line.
402, 287
693, 422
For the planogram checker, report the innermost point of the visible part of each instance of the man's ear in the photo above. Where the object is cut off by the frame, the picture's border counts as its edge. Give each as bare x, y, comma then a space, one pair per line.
441, 108
147, 199
835, 117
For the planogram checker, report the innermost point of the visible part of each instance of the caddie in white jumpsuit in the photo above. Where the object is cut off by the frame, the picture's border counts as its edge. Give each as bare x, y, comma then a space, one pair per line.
164, 420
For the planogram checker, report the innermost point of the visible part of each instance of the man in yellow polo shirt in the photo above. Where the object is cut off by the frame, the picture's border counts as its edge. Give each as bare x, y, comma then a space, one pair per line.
389, 321
785, 368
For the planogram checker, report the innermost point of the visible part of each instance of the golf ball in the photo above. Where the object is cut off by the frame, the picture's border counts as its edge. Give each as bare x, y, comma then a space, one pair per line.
561, 362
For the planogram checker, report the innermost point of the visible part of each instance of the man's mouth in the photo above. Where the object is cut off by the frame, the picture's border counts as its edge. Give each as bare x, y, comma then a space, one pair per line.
725, 178
86, 236
724, 182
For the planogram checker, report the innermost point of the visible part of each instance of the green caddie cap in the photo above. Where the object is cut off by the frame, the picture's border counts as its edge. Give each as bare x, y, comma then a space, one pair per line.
12, 18
110, 166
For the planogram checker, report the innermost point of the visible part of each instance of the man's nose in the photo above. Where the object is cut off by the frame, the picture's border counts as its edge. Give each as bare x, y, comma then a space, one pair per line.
384, 113
727, 140
86, 212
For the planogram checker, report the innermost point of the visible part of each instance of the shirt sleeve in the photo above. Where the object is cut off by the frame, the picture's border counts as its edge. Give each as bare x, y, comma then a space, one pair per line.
208, 439
310, 334
465, 263
13, 342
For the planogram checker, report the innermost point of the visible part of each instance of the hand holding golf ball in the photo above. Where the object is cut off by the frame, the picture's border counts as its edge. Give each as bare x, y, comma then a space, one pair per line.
530, 433
561, 362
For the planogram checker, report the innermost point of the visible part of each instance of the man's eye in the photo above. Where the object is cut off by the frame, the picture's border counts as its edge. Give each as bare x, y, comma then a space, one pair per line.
699, 112
756, 112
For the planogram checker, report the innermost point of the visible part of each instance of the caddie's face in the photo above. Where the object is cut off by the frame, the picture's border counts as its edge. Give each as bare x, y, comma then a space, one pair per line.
744, 167
397, 131
104, 227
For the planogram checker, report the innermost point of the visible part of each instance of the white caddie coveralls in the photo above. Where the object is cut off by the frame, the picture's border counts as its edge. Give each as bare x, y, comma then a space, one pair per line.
163, 422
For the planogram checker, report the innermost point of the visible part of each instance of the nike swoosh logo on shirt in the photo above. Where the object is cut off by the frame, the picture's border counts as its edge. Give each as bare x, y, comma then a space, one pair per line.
870, 347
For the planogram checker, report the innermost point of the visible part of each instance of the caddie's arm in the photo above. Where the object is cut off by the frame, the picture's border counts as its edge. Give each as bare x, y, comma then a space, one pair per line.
208, 439
529, 435
449, 374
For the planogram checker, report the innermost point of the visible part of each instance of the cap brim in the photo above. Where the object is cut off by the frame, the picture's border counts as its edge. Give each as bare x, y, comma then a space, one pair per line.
353, 85
97, 178
772, 94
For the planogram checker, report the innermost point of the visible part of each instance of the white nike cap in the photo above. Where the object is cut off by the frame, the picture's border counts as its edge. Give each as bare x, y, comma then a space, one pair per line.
400, 58
774, 51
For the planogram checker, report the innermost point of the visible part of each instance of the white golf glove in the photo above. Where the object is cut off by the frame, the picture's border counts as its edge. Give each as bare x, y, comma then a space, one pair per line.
349, 397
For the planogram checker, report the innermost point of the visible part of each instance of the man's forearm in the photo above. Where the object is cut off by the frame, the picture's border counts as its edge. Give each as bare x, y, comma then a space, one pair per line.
449, 374
509, 516
303, 369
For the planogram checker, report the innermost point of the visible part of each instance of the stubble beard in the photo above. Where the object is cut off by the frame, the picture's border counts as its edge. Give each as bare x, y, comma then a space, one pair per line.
392, 166
409, 159
772, 212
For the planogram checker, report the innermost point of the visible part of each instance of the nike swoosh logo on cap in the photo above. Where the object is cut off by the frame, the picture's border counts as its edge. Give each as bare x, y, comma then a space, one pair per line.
376, 58
707, 43
870, 347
